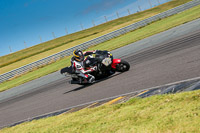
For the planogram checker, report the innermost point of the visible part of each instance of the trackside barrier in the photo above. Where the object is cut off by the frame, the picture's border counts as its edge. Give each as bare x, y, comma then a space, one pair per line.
29, 67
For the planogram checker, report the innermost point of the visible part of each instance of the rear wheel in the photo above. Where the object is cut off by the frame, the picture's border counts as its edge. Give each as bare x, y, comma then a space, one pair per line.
123, 66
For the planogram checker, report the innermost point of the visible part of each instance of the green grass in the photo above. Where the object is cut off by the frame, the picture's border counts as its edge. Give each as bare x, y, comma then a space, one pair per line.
123, 40
26, 56
178, 113
35, 74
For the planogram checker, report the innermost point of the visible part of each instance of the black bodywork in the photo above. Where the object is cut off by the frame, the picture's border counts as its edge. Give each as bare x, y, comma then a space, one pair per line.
102, 70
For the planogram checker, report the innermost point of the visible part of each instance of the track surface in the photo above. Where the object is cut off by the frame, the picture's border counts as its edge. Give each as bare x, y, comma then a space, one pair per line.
168, 62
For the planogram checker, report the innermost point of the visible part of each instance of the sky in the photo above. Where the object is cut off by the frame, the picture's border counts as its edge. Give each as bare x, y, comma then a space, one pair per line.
25, 23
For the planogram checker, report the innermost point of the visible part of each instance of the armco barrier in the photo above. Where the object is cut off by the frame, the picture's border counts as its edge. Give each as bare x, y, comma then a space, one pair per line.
29, 67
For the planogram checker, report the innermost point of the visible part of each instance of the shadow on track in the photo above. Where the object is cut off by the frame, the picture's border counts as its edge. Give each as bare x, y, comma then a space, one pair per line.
97, 81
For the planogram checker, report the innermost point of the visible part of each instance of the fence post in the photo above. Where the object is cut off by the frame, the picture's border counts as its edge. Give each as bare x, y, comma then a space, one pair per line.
66, 31
93, 23
10, 49
105, 18
53, 35
139, 8
150, 3
25, 44
81, 26
40, 39
129, 13
117, 14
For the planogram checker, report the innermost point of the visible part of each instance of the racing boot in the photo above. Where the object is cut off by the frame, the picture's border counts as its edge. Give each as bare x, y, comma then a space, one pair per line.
91, 79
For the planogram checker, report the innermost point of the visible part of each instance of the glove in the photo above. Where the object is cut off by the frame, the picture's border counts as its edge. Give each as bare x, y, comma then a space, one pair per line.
94, 68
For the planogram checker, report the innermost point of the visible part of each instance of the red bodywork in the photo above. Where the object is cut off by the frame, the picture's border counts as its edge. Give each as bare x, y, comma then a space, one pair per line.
115, 62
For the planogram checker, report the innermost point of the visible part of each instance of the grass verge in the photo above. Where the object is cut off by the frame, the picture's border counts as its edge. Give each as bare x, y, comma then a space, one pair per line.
162, 113
26, 56
123, 40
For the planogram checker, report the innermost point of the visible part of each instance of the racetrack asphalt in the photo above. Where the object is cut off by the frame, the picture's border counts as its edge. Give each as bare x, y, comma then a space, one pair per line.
174, 60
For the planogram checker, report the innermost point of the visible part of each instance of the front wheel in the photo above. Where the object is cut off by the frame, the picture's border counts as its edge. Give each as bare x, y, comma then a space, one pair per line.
123, 66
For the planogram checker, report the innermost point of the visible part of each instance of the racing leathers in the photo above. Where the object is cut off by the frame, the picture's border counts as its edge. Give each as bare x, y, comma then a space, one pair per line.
78, 67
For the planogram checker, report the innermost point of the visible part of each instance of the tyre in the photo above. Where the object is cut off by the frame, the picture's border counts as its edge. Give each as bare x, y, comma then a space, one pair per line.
74, 79
123, 66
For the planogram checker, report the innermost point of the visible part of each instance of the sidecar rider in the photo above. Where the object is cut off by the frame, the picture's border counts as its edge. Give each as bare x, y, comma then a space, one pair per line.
78, 67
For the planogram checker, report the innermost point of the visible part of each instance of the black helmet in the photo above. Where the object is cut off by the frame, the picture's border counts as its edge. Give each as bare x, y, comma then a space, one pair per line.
78, 55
